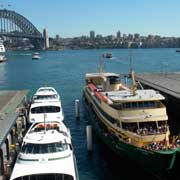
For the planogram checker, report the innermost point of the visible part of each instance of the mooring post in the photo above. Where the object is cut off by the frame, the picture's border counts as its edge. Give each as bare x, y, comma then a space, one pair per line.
89, 137
77, 108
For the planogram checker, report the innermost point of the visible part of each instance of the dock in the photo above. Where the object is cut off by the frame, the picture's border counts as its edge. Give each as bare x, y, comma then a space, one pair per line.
11, 105
167, 83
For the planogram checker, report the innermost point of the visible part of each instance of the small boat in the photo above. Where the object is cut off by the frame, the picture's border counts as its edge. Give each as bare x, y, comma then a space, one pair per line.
2, 48
132, 122
46, 153
3, 58
107, 55
45, 102
36, 55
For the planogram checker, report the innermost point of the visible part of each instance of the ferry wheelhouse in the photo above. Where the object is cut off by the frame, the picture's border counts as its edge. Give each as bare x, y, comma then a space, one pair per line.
46, 93
45, 102
132, 122
46, 153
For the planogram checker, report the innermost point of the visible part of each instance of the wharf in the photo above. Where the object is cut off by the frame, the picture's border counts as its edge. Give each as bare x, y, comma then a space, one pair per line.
168, 83
11, 104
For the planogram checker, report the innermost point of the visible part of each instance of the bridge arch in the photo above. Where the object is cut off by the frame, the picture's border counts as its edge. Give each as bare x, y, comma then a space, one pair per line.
13, 24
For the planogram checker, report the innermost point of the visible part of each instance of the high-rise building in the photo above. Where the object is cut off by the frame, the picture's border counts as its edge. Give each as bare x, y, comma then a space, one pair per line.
46, 39
118, 34
92, 35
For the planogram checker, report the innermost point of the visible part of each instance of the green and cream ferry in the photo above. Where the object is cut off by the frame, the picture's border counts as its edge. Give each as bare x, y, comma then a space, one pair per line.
131, 121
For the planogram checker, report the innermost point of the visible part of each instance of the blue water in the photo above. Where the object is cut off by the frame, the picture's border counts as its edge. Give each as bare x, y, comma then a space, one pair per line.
65, 71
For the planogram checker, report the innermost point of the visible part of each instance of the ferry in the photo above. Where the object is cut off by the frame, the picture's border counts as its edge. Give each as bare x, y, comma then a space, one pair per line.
45, 103
131, 121
46, 153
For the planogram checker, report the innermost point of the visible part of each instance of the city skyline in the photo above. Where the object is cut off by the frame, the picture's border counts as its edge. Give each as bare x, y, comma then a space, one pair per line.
70, 18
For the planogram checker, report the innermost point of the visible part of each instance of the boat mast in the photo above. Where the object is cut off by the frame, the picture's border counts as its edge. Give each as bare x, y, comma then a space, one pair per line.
134, 84
101, 66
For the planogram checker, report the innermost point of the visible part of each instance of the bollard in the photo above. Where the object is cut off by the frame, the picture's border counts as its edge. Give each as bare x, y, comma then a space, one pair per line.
89, 137
77, 108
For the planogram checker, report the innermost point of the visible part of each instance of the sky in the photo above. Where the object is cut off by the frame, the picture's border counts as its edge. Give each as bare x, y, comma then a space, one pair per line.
72, 18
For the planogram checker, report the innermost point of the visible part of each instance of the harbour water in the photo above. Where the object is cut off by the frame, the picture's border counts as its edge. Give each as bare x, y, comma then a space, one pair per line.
65, 70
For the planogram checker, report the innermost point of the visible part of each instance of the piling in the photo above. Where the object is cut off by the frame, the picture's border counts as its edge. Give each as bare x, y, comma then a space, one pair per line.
77, 108
89, 137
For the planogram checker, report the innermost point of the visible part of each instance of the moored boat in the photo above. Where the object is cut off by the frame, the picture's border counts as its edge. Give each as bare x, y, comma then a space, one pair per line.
45, 103
46, 153
132, 122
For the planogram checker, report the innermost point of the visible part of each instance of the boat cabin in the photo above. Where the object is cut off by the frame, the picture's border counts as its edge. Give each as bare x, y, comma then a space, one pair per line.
104, 81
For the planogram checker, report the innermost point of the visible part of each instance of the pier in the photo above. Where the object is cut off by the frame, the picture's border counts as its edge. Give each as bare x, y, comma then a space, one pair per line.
12, 121
168, 83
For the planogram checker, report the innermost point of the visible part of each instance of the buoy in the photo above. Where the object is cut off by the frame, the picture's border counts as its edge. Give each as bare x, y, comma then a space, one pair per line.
77, 108
89, 137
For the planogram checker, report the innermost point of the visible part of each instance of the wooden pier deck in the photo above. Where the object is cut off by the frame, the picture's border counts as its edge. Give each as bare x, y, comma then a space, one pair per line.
9, 101
168, 83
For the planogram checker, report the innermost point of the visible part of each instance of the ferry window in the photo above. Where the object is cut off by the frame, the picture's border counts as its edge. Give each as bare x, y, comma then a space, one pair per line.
46, 177
51, 148
140, 104
43, 148
45, 109
134, 104
127, 105
130, 126
146, 104
151, 104
44, 97
113, 80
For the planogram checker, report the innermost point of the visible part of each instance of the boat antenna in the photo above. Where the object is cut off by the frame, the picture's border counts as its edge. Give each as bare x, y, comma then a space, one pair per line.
134, 84
101, 66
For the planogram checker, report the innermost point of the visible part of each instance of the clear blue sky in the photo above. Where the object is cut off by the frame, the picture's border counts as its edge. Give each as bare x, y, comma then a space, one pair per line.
70, 18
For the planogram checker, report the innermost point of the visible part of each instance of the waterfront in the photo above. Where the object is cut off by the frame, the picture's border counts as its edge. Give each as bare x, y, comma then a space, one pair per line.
65, 71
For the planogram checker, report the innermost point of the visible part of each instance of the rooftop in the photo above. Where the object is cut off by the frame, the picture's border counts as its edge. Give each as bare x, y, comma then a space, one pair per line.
141, 95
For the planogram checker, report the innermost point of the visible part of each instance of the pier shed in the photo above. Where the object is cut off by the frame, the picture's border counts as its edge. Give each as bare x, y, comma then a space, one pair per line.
11, 102
168, 83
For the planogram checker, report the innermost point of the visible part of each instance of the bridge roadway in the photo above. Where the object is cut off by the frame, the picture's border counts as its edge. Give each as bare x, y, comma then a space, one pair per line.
168, 83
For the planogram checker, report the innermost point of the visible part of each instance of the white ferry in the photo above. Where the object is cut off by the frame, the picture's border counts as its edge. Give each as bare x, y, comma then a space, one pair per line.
46, 154
46, 103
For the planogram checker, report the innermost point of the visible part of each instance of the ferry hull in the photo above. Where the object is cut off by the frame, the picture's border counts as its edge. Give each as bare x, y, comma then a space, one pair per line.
156, 162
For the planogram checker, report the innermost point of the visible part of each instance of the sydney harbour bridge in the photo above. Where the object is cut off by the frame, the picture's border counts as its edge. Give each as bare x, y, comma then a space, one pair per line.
15, 25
